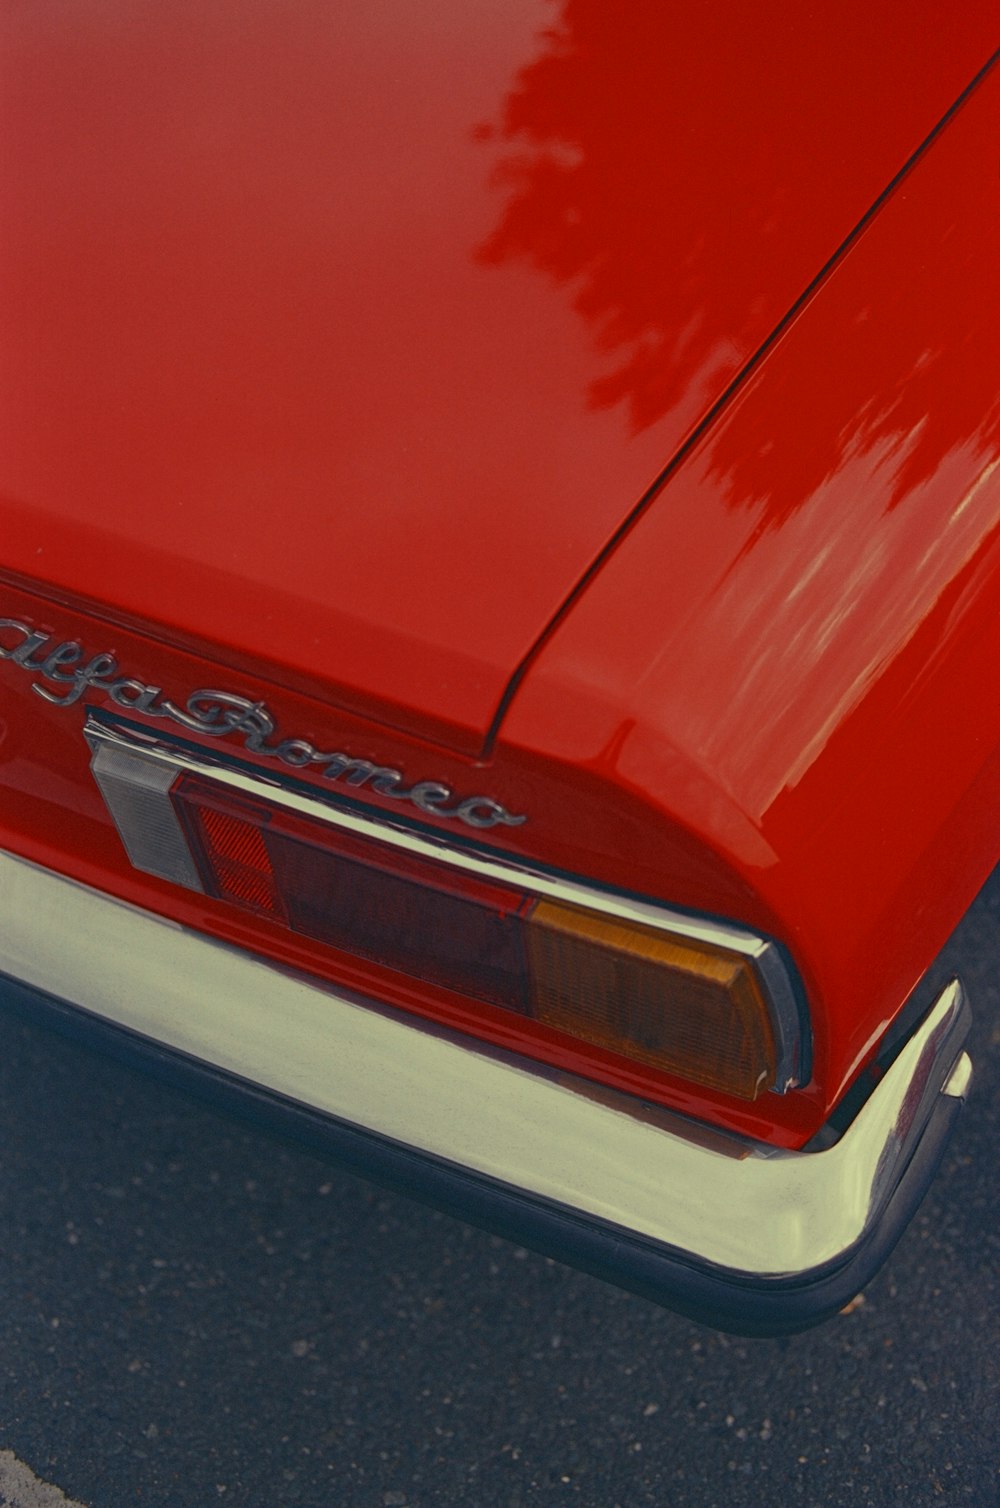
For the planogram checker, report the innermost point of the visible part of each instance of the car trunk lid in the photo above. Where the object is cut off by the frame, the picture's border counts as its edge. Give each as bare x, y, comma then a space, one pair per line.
344, 338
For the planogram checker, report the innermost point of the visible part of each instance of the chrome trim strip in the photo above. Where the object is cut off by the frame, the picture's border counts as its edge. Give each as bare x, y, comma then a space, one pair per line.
959, 1081
764, 1212
791, 1068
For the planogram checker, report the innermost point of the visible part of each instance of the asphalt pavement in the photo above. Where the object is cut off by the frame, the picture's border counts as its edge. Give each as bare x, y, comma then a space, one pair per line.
192, 1314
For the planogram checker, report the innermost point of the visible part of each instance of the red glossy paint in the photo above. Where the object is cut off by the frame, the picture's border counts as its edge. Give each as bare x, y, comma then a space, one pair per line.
794, 651
342, 337
343, 342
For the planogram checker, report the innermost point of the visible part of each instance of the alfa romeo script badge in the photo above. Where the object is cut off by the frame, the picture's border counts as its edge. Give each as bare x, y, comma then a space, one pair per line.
222, 714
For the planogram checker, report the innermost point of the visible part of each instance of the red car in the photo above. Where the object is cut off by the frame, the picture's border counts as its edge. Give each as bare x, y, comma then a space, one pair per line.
499, 585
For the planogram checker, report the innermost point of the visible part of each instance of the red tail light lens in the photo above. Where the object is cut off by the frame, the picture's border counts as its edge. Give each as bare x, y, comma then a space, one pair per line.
403, 912
237, 860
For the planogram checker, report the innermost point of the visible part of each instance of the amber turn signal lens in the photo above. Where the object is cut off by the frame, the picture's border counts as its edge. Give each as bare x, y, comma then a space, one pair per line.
656, 998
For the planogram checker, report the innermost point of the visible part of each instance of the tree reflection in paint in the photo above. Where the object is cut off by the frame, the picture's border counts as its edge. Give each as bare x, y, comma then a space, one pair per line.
686, 194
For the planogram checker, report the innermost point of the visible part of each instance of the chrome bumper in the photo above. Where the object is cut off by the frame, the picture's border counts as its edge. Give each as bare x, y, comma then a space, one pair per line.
743, 1235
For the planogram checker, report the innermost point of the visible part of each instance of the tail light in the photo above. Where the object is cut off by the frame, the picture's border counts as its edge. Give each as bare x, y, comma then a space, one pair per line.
451, 929
685, 996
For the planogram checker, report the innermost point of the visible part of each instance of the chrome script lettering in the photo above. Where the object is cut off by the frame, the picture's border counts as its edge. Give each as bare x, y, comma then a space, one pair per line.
223, 714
